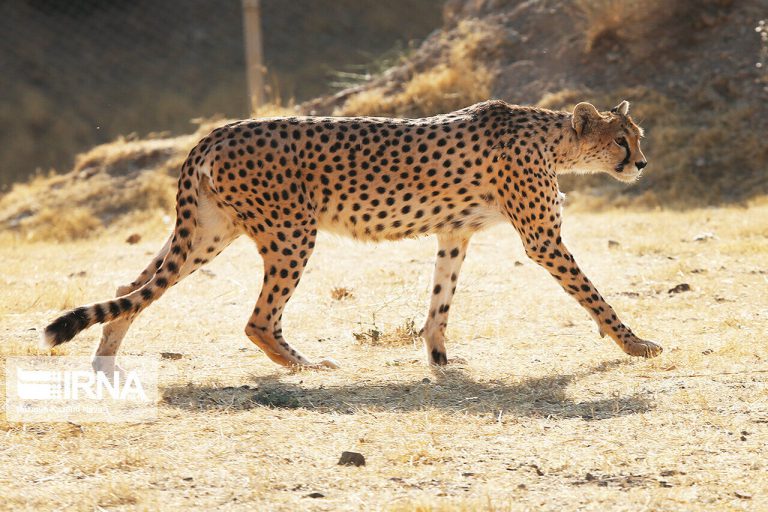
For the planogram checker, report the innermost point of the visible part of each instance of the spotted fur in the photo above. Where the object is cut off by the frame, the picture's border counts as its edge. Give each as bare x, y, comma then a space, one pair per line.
280, 180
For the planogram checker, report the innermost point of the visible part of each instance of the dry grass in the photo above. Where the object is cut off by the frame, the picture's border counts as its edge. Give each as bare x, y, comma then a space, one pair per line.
373, 335
614, 19
543, 415
131, 180
636, 25
121, 183
449, 85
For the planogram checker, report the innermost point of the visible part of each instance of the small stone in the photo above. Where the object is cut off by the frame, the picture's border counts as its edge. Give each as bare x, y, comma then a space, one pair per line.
613, 244
351, 459
171, 355
703, 237
682, 287
133, 239
315, 495
425, 380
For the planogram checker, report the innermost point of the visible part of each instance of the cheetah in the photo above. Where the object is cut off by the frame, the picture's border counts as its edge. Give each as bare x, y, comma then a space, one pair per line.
280, 180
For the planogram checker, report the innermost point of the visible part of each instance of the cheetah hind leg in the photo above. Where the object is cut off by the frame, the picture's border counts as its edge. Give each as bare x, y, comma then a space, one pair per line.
284, 262
112, 333
215, 232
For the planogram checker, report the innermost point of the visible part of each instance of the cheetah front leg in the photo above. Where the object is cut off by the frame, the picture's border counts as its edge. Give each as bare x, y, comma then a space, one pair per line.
451, 251
550, 252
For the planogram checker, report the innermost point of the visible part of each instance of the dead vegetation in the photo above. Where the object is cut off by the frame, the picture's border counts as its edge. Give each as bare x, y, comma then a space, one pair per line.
401, 335
450, 84
341, 293
123, 181
637, 25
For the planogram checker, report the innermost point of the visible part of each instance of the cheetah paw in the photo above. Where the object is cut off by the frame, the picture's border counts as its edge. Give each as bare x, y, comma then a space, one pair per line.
327, 364
108, 367
643, 348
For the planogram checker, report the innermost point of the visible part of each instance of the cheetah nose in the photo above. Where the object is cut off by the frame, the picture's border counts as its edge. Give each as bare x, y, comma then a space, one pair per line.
641, 164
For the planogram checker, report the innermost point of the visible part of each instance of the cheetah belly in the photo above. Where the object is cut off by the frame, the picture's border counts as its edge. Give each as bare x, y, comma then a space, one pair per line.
399, 226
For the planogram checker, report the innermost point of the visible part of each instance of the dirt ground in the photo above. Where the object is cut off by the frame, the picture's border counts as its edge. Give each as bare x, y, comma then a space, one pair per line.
536, 412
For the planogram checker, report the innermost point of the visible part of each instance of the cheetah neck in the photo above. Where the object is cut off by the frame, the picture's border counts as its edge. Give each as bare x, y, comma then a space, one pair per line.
548, 135
564, 150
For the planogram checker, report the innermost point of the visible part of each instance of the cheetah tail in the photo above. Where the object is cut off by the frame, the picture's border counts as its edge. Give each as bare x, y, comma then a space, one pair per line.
65, 327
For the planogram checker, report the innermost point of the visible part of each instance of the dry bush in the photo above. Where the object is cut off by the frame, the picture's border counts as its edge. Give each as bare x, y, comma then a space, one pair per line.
614, 19
456, 82
119, 184
275, 109
123, 182
341, 293
404, 334
641, 26
51, 224
68, 207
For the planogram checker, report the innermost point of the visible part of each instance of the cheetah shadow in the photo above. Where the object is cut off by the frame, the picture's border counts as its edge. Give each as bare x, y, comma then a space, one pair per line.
453, 389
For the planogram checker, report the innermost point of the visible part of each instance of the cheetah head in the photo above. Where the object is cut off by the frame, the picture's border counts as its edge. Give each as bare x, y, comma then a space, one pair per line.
608, 142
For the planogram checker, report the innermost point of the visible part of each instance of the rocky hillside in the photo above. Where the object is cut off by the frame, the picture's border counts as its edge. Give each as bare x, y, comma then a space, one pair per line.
695, 71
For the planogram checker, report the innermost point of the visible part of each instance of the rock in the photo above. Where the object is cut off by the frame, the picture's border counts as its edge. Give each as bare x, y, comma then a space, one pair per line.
682, 287
171, 355
351, 459
613, 244
315, 495
133, 239
703, 237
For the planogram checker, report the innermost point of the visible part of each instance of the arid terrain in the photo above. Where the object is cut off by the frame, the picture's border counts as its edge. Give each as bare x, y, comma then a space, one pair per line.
535, 413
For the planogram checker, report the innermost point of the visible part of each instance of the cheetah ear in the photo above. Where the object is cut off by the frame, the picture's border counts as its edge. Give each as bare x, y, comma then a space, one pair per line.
583, 114
622, 108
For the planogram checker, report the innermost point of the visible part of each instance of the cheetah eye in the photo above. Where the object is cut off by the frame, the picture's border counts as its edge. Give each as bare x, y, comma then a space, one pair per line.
621, 142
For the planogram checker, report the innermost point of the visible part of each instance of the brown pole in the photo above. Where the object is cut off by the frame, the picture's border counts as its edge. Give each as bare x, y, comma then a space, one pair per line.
253, 53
